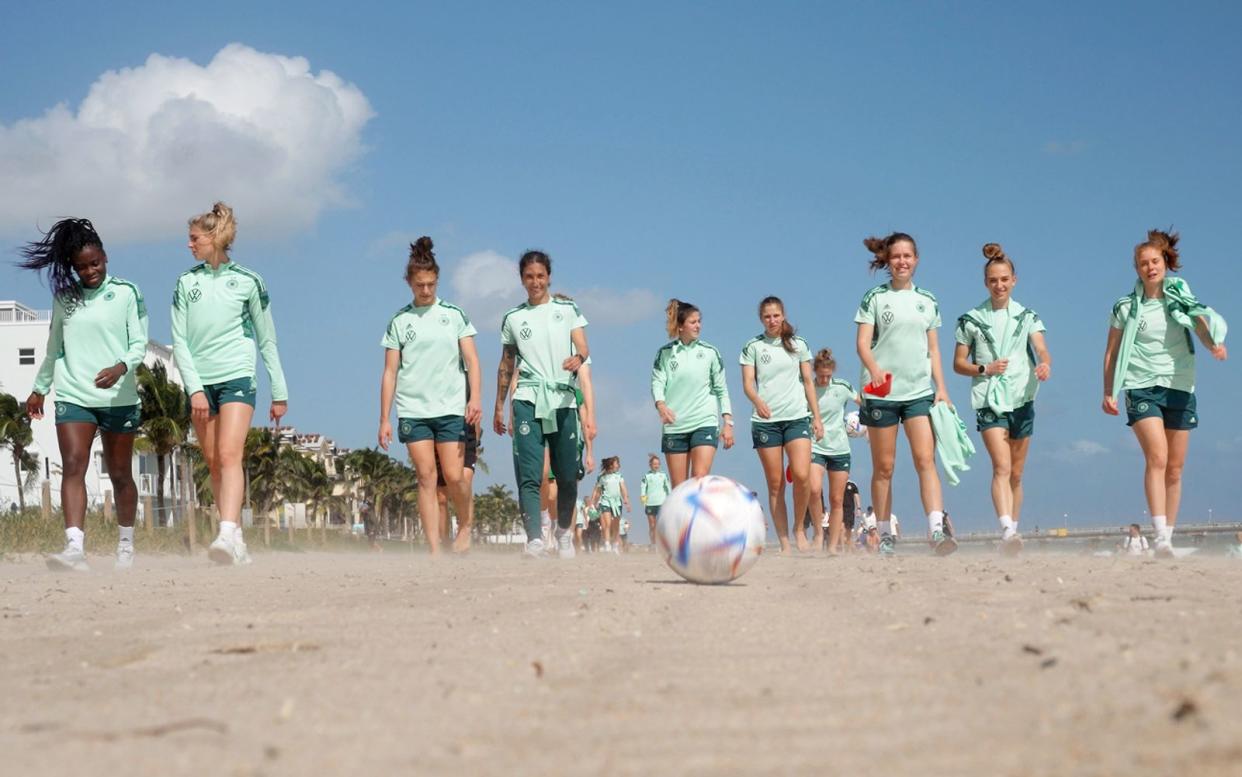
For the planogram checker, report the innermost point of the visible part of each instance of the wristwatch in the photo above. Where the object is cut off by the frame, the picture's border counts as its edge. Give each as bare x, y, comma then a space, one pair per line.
982, 369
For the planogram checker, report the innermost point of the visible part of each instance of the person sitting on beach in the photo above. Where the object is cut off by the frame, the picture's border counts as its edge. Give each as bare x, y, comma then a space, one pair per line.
1134, 544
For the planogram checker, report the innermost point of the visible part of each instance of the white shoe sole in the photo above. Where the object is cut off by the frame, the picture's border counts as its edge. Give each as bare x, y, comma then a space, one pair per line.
220, 557
57, 565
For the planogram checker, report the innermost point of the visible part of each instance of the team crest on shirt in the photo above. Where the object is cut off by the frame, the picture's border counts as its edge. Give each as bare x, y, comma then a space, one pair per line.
444, 319
557, 316
110, 296
525, 333
195, 294
920, 307
887, 317
765, 358
523, 428
232, 284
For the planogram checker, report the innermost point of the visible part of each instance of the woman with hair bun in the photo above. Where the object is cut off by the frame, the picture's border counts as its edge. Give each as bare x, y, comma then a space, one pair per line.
830, 455
1001, 347
900, 356
432, 368
691, 396
97, 339
220, 312
776, 376
1150, 357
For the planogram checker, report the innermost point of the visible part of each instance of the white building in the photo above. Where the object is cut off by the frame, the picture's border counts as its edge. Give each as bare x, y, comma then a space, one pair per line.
23, 344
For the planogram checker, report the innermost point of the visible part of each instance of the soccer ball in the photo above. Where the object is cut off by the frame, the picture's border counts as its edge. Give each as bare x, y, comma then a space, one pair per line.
711, 529
854, 427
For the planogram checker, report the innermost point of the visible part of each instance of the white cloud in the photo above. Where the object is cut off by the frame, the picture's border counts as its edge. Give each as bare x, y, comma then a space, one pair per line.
152, 145
618, 307
1081, 449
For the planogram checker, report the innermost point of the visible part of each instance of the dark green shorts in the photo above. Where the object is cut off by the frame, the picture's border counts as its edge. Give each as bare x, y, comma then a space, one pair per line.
1175, 408
881, 412
445, 428
1019, 422
774, 434
123, 420
653, 510
682, 442
839, 463
235, 390
607, 507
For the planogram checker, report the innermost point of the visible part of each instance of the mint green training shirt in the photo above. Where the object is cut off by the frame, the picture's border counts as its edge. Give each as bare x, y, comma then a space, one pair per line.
778, 376
609, 484
1163, 353
832, 400
108, 327
431, 381
542, 335
690, 380
218, 316
655, 487
1021, 372
902, 319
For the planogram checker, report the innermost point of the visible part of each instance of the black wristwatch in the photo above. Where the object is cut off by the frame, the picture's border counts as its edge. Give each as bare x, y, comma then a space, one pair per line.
982, 370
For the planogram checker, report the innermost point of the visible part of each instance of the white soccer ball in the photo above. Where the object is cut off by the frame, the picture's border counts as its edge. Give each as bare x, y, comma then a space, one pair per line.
854, 427
711, 529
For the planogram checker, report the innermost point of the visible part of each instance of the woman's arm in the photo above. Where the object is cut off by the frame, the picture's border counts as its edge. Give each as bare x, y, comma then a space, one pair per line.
812, 404
1110, 360
863, 346
751, 391
937, 370
470, 357
388, 387
1043, 364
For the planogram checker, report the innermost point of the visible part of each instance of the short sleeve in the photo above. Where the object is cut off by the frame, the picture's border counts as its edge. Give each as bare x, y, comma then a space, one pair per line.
1038, 325
804, 351
390, 339
748, 355
464, 327
866, 311
579, 319
964, 337
506, 333
1117, 318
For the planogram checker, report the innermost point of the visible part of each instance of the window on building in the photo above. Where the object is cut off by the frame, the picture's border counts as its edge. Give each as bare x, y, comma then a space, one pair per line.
25, 356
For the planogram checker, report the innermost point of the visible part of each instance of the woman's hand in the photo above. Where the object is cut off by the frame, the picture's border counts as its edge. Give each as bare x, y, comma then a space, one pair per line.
1110, 406
761, 409
667, 416
997, 367
726, 436
200, 411
1219, 352
34, 405
108, 376
1043, 370
498, 422
817, 428
572, 363
277, 412
474, 411
942, 396
385, 433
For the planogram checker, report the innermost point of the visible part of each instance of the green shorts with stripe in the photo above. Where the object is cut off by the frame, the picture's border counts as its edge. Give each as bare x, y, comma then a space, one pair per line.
1176, 408
839, 463
615, 509
119, 420
235, 390
1019, 422
682, 442
774, 434
445, 428
881, 412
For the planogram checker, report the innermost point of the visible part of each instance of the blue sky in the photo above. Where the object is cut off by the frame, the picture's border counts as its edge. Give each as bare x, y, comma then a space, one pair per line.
715, 152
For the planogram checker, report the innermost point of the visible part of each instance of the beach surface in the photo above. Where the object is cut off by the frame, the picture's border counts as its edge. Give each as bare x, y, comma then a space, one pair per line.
317, 663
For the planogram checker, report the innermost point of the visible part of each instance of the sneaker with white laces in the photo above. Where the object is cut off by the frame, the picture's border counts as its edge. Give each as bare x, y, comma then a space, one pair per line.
533, 549
223, 551
888, 545
565, 543
942, 544
124, 555
71, 559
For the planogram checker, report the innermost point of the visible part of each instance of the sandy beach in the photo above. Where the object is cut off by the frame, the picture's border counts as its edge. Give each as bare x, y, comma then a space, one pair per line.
377, 664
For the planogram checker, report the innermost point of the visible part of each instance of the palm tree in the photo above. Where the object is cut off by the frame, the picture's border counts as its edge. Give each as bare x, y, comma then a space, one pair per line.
259, 458
165, 420
16, 435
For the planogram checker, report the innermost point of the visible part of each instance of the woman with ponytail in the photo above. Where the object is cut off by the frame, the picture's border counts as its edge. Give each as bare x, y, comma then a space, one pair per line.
902, 379
691, 396
1001, 347
432, 368
776, 376
220, 312
97, 340
830, 455
1150, 357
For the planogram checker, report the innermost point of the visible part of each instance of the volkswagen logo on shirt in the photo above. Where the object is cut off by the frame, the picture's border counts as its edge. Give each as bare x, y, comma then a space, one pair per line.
410, 334
195, 294
1143, 325
765, 358
525, 333
672, 364
887, 317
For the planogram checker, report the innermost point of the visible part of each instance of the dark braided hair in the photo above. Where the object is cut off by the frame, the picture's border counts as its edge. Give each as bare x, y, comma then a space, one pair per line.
55, 253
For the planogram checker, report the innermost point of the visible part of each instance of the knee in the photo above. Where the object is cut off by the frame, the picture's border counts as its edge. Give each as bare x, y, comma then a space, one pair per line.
1158, 461
836, 502
1173, 474
226, 456
1015, 477
882, 470
1002, 470
122, 480
74, 466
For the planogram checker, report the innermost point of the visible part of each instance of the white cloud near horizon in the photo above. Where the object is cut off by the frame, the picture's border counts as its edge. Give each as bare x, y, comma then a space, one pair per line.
1081, 449
150, 146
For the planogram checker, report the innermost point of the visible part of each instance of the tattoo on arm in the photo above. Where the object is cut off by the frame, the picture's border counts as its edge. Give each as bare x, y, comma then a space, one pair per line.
504, 374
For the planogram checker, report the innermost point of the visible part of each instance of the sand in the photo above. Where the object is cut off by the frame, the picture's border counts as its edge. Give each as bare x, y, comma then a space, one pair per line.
381, 664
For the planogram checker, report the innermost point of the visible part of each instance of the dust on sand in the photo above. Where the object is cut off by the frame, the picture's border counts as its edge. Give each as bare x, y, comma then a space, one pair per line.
489, 664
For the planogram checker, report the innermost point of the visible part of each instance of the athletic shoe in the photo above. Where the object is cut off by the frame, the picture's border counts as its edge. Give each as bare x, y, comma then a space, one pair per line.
888, 545
533, 549
223, 551
1164, 548
124, 555
1011, 545
71, 559
942, 544
241, 556
564, 543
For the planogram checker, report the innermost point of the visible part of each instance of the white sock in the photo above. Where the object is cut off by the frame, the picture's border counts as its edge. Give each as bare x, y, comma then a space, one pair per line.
75, 537
935, 521
1008, 523
1168, 533
238, 536
227, 528
886, 527
1160, 523
127, 533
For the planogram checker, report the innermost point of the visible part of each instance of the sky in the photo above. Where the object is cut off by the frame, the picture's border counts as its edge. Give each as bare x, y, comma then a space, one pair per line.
715, 152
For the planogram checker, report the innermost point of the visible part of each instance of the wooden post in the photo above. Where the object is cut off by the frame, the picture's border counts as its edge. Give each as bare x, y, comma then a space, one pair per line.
107, 507
46, 507
148, 513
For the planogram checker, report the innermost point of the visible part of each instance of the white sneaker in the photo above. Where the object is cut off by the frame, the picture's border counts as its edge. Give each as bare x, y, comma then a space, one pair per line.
608, 547
124, 555
616, 550
1164, 548
534, 549
565, 543
70, 559
223, 551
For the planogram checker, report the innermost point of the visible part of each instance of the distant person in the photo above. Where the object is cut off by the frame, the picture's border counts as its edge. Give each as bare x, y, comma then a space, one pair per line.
830, 455
653, 490
613, 499
902, 378
1001, 347
850, 509
220, 312
96, 341
776, 376
1235, 550
1134, 543
1150, 358
625, 535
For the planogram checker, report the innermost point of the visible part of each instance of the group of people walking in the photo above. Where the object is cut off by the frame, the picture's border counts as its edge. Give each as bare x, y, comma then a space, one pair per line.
545, 398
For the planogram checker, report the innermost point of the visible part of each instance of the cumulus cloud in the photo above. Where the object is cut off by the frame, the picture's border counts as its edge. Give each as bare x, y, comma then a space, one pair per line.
150, 146
485, 284
1081, 449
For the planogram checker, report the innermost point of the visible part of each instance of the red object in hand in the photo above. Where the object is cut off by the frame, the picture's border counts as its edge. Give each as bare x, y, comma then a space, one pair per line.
789, 474
881, 389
